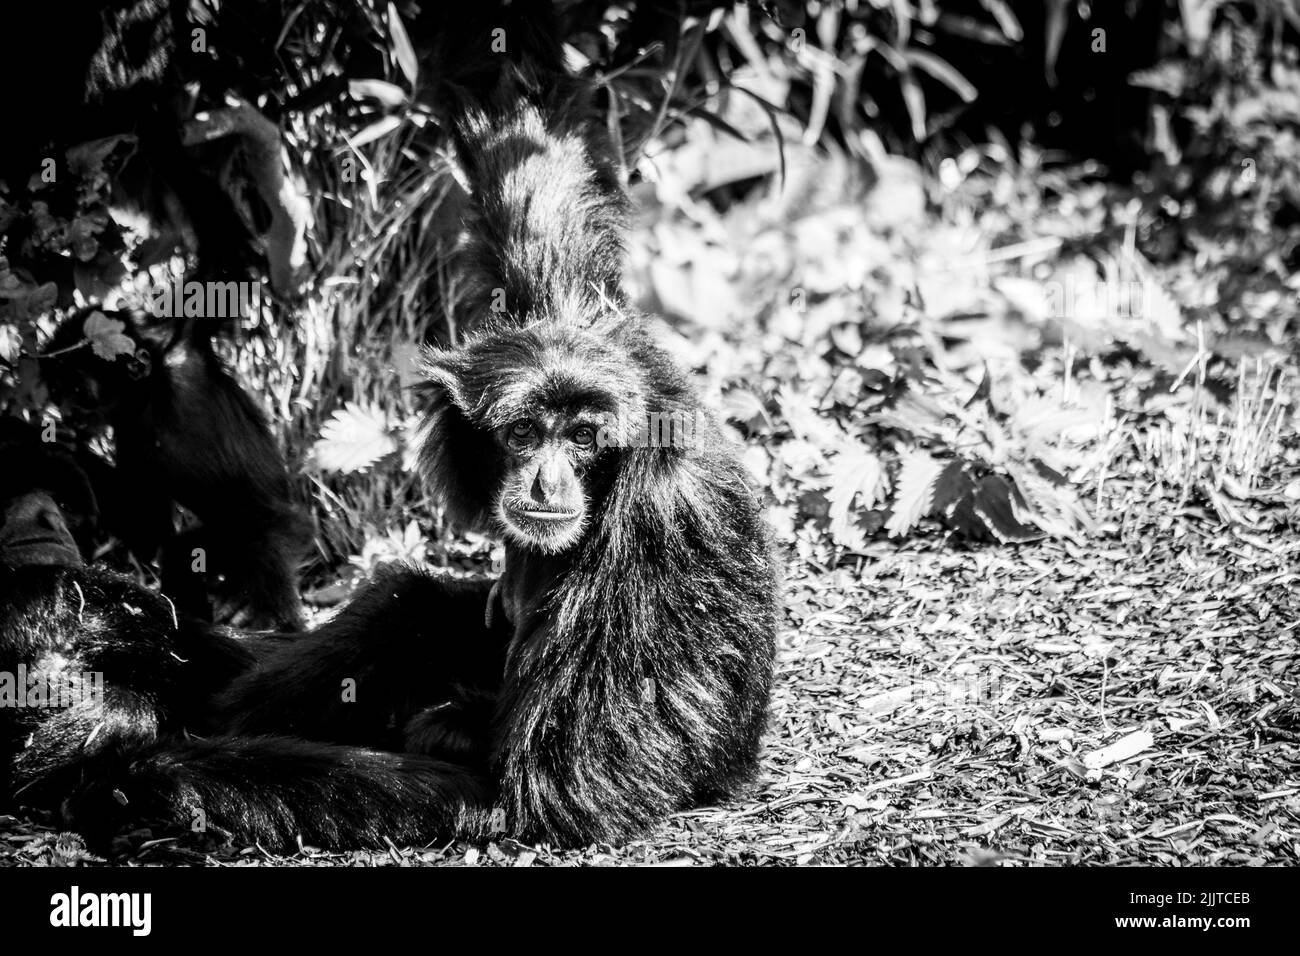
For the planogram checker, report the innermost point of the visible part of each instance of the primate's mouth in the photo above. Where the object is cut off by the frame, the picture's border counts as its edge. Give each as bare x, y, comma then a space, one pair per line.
34, 543
549, 515
41, 551
544, 529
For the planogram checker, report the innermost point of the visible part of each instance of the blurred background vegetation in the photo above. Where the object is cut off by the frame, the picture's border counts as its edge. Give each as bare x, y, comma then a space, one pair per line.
995, 269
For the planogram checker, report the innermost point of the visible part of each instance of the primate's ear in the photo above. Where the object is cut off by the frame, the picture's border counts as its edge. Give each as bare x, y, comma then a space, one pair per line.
459, 460
445, 375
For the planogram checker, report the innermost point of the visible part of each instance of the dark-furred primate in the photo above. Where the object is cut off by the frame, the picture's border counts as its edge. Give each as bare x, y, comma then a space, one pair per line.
66, 626
618, 670
186, 432
98, 673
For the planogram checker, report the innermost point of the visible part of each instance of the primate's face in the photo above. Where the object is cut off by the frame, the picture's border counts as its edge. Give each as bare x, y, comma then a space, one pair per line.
527, 429
45, 503
34, 532
543, 502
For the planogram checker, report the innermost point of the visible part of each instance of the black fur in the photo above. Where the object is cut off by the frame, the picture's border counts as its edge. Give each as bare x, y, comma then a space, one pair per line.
157, 671
592, 689
123, 754
639, 668
185, 431
545, 221
590, 693
583, 696
59, 617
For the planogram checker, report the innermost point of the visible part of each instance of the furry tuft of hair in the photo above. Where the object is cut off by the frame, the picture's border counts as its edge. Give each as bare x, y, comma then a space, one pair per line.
544, 227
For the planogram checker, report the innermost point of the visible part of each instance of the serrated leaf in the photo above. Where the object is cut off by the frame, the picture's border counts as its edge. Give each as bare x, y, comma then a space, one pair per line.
916, 413
979, 507
1043, 419
1051, 505
107, 337
353, 439
855, 473
798, 411
915, 495
744, 406
953, 484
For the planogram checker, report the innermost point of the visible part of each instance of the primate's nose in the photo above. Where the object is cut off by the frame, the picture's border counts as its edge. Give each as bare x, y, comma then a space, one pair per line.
33, 512
48, 516
546, 480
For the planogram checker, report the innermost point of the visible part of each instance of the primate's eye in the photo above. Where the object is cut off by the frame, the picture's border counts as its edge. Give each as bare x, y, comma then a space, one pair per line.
584, 435
521, 430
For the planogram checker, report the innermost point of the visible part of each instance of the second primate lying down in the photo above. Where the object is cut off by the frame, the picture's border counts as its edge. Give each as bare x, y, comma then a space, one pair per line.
619, 670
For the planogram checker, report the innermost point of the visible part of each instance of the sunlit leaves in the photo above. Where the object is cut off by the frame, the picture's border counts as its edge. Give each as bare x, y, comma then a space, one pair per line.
915, 497
403, 52
354, 438
856, 476
107, 337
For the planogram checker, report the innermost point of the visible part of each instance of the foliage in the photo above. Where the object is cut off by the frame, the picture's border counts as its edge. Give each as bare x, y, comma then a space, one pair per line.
1226, 143
932, 351
1028, 436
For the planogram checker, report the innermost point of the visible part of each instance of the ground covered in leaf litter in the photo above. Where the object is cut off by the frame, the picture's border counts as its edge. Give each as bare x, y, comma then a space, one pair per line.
942, 706
1122, 693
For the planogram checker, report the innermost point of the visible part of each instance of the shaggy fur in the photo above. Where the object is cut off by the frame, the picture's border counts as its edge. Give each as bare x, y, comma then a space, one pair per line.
71, 620
126, 759
639, 667
584, 695
596, 686
545, 222
123, 756
60, 618
185, 431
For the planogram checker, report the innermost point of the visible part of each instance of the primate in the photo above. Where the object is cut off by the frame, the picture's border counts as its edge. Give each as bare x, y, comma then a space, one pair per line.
96, 670
617, 671
89, 660
185, 432
638, 576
